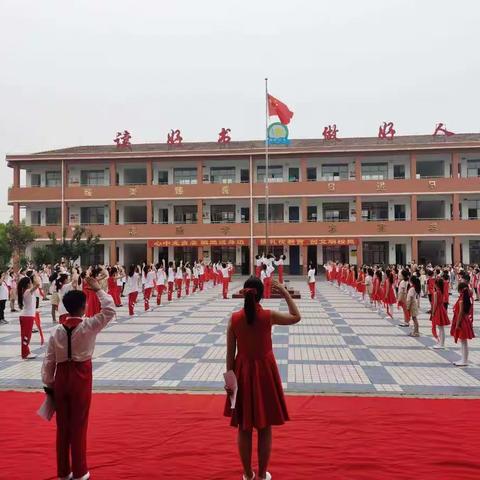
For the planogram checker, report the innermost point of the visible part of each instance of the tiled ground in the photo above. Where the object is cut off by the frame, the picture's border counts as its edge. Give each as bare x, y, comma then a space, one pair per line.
339, 347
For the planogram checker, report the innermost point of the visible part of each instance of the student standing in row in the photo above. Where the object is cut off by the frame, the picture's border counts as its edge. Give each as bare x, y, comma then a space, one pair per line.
160, 281
311, 281
133, 286
26, 301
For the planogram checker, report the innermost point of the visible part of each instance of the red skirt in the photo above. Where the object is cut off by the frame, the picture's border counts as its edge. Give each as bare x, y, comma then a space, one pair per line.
260, 399
390, 298
93, 304
440, 317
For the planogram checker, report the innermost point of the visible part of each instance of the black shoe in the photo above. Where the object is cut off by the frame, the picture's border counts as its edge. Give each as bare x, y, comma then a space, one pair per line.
14, 310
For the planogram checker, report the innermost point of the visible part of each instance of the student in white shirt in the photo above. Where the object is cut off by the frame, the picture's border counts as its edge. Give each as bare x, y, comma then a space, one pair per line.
170, 280
188, 277
160, 281
311, 281
27, 302
179, 279
150, 278
3, 298
67, 375
225, 272
133, 280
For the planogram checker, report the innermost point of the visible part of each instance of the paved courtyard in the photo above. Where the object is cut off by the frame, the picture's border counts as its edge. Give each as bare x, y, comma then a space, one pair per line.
340, 346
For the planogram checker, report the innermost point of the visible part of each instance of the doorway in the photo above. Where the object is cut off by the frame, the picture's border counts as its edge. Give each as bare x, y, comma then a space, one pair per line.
294, 256
163, 254
134, 253
312, 256
245, 257
400, 254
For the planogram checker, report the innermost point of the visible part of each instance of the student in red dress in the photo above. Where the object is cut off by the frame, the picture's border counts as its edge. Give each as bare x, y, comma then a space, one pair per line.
430, 288
462, 323
446, 288
389, 298
250, 356
439, 315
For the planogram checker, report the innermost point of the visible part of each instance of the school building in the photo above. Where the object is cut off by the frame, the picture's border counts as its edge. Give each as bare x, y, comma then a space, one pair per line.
356, 200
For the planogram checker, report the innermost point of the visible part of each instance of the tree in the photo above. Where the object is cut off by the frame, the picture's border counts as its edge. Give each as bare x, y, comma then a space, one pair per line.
18, 237
81, 244
5, 249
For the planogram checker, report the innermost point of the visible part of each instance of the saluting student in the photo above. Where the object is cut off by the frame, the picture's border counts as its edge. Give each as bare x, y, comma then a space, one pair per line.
67, 375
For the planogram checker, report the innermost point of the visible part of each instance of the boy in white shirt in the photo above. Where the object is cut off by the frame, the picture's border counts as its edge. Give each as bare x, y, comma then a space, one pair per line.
311, 281
67, 375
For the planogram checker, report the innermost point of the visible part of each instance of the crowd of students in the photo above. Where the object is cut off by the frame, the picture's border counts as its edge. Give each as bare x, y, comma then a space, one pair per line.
382, 288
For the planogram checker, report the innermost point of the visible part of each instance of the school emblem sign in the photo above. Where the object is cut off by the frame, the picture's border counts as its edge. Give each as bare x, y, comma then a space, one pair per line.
277, 134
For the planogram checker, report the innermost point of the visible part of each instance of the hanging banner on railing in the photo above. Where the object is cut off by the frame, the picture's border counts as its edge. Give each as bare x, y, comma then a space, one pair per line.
221, 242
308, 241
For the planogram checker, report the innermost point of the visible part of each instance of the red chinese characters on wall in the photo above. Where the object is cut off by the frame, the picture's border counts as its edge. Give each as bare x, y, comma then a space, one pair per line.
122, 140
441, 129
386, 131
330, 132
224, 136
174, 137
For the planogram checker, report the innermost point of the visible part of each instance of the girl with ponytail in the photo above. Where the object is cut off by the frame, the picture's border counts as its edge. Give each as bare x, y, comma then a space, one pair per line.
250, 357
462, 323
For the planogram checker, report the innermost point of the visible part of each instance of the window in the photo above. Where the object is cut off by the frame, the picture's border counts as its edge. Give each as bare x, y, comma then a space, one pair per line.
399, 212
311, 213
92, 177
336, 172
185, 176
473, 209
399, 172
244, 175
275, 212
244, 214
134, 214
135, 176
92, 215
311, 174
163, 215
430, 169
293, 174
431, 210
223, 254
163, 177
35, 218
275, 173
53, 179
222, 213
374, 171
472, 214
293, 214
52, 215
95, 258
222, 174
185, 214
35, 180
374, 211
336, 212
473, 168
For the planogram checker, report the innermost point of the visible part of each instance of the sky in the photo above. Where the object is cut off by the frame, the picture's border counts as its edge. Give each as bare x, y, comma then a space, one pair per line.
75, 72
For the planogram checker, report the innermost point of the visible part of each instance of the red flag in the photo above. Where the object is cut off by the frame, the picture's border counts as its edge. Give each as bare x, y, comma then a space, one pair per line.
276, 107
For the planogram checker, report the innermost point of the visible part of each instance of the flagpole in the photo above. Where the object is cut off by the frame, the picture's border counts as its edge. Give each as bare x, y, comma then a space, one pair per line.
266, 168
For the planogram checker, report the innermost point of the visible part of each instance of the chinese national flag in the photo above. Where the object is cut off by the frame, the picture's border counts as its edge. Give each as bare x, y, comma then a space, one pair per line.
276, 107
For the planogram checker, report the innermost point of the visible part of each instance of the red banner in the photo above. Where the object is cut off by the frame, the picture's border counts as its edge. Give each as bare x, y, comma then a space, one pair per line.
222, 242
308, 241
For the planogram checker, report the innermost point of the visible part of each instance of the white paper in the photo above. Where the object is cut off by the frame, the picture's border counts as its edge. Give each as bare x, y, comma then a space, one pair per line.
231, 384
47, 409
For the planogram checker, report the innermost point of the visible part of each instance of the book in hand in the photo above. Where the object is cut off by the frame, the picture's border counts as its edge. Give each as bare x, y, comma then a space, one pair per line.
231, 384
47, 409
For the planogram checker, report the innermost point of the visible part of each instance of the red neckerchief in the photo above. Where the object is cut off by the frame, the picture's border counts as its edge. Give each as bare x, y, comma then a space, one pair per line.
72, 322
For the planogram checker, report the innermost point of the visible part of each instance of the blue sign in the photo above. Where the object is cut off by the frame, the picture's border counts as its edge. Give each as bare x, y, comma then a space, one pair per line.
277, 134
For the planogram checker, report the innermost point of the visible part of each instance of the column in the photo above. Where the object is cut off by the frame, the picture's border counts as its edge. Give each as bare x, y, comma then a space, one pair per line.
358, 208
200, 211
65, 174
16, 176
413, 208
304, 208
303, 169
113, 212
456, 206
358, 168
413, 166
457, 252
414, 250
149, 172
304, 255
113, 253
199, 171
149, 254
149, 212
113, 173
200, 253
65, 215
16, 213
455, 162
359, 253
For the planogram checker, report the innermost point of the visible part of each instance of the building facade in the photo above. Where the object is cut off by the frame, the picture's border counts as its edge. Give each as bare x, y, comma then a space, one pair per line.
358, 200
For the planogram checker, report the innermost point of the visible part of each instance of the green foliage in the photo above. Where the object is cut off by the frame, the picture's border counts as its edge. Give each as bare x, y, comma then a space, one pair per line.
81, 244
19, 236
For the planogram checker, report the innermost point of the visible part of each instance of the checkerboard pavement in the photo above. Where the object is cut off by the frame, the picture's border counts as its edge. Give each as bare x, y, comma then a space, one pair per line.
340, 346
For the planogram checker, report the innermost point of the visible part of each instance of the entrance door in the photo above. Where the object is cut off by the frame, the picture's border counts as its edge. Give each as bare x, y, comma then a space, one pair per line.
163, 254
312, 256
294, 256
375, 253
245, 260
400, 254
293, 214
336, 253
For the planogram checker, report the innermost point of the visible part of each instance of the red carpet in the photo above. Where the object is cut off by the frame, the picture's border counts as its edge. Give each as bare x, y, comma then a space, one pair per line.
185, 436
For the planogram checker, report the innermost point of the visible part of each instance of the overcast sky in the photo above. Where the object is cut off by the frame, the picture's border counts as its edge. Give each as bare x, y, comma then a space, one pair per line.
73, 72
